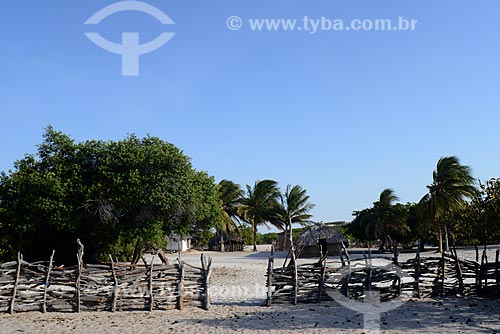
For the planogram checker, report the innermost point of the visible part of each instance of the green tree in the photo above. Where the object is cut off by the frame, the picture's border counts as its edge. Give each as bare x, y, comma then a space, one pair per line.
258, 205
389, 218
293, 208
111, 195
383, 220
452, 185
230, 195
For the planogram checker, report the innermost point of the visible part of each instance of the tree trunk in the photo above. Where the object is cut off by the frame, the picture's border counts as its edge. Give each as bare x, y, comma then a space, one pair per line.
162, 256
290, 240
446, 245
137, 253
254, 227
222, 245
285, 238
441, 241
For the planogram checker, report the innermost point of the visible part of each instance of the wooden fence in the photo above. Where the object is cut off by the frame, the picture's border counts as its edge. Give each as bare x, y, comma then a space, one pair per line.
421, 277
102, 287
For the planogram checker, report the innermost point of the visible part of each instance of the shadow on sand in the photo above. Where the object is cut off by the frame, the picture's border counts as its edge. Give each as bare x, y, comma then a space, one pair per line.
450, 315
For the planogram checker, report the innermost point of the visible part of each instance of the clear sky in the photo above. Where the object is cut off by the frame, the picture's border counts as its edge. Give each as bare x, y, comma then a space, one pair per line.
345, 114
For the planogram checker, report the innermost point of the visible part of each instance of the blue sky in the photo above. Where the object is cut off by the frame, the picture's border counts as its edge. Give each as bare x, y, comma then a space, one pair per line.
344, 114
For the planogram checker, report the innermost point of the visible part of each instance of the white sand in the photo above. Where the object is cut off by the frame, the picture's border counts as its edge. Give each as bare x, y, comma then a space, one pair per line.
238, 290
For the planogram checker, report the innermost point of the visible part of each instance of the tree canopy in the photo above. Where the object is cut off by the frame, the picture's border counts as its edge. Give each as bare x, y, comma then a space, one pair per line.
110, 194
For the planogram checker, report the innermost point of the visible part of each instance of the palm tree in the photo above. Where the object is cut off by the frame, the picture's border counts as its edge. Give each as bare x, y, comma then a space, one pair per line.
452, 184
386, 217
230, 195
293, 208
259, 204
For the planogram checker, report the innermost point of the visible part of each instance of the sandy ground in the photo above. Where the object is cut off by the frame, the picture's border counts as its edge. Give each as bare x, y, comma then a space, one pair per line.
238, 291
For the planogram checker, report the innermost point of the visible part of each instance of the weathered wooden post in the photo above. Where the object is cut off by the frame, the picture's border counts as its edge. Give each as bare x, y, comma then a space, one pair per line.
370, 269
150, 285
16, 282
459, 275
79, 256
483, 276
497, 271
180, 287
46, 285
395, 252
270, 281
114, 296
295, 279
346, 253
442, 265
322, 279
417, 270
207, 284
203, 264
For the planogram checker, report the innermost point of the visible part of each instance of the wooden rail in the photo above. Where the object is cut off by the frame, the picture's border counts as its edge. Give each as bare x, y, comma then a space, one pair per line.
423, 276
41, 286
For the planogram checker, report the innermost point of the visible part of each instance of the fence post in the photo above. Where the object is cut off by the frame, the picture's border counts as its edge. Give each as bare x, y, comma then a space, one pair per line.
395, 251
16, 282
442, 265
295, 279
322, 280
151, 297
346, 253
497, 269
417, 270
207, 284
46, 285
270, 267
459, 274
115, 287
180, 304
79, 256
484, 269
203, 264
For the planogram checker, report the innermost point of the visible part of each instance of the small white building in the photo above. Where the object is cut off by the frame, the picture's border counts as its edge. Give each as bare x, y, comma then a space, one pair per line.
177, 243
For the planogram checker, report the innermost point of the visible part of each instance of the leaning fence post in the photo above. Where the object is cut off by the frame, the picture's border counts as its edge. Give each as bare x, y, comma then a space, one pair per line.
346, 253
115, 287
16, 282
442, 264
270, 267
46, 285
79, 256
459, 275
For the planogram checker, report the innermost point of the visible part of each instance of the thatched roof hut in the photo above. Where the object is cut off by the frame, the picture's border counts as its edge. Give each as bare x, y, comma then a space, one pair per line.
232, 243
319, 239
